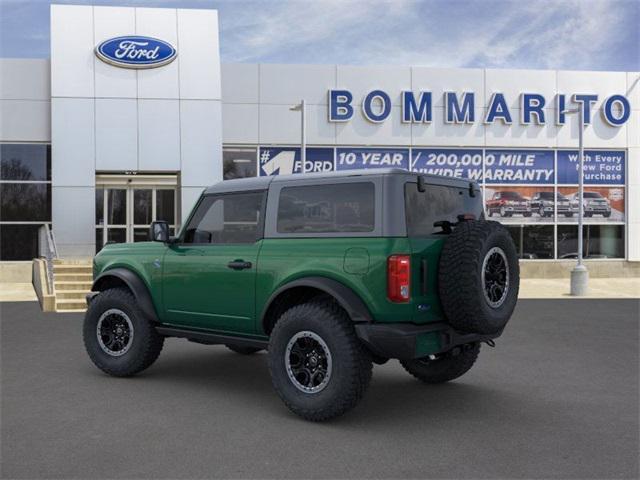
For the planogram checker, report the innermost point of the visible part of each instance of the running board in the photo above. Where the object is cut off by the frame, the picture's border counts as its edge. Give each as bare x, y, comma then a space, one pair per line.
209, 338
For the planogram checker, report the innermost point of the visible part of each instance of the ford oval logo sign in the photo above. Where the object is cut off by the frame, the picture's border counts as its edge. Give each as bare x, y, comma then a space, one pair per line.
135, 51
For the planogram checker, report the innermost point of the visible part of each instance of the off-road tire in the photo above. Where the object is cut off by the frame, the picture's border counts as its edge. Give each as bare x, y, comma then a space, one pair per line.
242, 350
351, 363
447, 367
145, 345
460, 277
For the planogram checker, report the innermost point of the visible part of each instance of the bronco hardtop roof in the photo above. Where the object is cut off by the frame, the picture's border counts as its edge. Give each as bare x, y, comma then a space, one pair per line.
262, 183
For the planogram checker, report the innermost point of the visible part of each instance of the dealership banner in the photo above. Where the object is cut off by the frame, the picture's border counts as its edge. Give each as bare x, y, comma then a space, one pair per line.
287, 160
601, 167
450, 162
360, 158
518, 166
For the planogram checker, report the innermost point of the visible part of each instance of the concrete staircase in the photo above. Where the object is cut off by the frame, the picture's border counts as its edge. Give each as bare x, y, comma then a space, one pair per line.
72, 281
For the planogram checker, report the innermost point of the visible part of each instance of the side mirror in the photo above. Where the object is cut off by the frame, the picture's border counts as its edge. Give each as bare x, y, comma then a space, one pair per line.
159, 231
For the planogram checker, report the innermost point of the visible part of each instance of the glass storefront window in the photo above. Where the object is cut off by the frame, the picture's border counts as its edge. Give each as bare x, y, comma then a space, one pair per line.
18, 242
239, 162
533, 241
598, 241
99, 206
142, 206
117, 207
25, 162
165, 205
25, 198
25, 202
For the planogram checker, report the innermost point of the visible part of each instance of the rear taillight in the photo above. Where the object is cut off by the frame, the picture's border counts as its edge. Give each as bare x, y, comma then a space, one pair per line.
398, 278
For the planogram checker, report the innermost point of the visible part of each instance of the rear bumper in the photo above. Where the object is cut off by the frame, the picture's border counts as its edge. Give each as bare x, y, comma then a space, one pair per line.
406, 341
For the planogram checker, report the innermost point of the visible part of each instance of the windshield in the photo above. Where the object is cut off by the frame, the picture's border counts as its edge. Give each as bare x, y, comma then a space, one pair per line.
546, 195
592, 195
511, 195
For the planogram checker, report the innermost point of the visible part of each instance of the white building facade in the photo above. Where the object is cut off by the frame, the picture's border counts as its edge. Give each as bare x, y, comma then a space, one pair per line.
98, 151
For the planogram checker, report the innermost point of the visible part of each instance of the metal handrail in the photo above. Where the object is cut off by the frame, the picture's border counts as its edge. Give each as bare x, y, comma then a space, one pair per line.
50, 250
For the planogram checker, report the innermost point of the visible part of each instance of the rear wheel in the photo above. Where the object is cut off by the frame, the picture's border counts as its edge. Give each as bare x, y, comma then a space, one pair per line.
118, 337
444, 367
318, 366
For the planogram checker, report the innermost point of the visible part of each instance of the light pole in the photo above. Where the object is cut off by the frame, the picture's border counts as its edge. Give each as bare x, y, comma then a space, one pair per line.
303, 134
580, 274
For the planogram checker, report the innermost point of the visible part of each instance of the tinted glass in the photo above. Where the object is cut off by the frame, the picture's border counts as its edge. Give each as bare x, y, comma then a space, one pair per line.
239, 162
18, 242
142, 206
116, 235
141, 235
343, 207
25, 202
25, 162
533, 241
165, 205
99, 239
117, 207
99, 206
510, 195
232, 218
436, 203
598, 241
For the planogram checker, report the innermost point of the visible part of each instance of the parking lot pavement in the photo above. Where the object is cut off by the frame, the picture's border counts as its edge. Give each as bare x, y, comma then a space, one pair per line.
557, 398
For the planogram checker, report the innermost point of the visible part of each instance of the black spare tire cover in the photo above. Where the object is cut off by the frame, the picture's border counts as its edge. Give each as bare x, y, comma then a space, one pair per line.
478, 277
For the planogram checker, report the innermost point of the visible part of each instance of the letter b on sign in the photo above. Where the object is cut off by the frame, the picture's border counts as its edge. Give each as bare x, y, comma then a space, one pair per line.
340, 109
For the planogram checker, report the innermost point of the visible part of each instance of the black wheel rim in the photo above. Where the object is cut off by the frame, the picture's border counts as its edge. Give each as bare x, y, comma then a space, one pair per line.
114, 332
308, 362
495, 277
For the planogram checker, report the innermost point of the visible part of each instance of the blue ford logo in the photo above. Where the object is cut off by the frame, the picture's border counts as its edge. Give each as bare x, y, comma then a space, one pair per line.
134, 51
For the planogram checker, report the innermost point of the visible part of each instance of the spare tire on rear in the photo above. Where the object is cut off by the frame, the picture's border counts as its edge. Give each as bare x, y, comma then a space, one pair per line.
478, 277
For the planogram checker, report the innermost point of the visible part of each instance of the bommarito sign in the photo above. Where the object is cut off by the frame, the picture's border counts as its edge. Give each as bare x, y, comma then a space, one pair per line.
460, 108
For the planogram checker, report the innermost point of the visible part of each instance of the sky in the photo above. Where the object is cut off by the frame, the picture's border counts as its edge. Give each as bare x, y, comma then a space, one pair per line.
534, 34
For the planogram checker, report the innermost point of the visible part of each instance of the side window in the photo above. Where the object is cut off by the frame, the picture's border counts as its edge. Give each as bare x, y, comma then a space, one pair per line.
233, 218
338, 208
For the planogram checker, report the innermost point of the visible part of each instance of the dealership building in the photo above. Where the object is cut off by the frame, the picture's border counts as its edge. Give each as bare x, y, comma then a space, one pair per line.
95, 148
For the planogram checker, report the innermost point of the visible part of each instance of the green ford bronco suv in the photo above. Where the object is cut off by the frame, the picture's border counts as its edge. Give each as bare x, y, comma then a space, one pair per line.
327, 272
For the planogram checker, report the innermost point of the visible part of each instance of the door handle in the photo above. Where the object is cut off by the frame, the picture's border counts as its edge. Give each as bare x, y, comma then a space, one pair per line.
239, 265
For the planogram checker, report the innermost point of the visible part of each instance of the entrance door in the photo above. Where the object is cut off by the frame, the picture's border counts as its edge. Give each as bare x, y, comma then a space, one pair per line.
125, 211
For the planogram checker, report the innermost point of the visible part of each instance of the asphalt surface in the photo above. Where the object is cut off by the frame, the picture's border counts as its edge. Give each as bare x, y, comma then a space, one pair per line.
557, 398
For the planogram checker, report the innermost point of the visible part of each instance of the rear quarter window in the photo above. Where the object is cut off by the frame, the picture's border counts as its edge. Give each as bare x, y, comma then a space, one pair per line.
338, 208
435, 204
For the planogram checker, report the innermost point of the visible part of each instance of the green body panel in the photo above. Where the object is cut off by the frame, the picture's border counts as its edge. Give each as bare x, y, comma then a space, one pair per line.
200, 290
284, 260
141, 258
192, 285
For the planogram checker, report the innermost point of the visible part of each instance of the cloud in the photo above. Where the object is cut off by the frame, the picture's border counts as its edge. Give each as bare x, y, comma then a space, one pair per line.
588, 34
546, 34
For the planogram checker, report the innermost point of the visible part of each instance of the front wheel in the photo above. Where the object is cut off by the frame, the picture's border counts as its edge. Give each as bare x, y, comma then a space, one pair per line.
118, 337
445, 367
318, 366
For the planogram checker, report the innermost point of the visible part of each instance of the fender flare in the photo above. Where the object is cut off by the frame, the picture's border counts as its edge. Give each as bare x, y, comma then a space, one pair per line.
135, 284
345, 296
